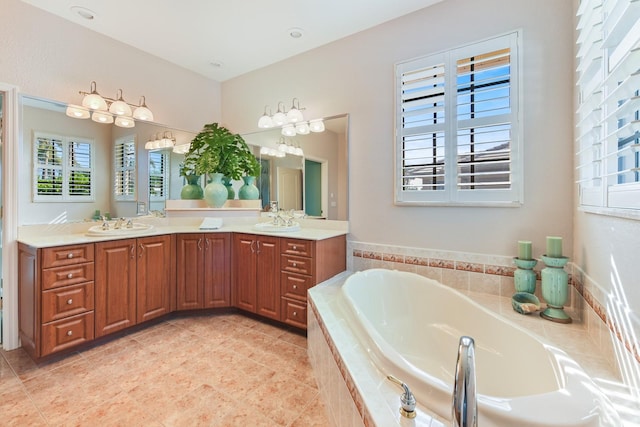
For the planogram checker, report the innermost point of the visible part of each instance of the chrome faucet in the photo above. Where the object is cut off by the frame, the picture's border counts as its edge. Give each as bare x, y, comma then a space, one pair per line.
119, 223
464, 408
407, 401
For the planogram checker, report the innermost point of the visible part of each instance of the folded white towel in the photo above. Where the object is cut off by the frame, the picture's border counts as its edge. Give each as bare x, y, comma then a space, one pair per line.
211, 224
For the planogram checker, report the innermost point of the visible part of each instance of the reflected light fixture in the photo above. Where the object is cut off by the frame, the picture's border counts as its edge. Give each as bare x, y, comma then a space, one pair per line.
161, 141
103, 110
182, 148
292, 122
316, 125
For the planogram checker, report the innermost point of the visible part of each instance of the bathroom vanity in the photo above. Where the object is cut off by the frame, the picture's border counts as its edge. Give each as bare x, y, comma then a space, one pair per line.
90, 287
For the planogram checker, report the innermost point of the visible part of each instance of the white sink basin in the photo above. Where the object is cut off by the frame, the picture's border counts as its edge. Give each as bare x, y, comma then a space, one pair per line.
97, 230
267, 226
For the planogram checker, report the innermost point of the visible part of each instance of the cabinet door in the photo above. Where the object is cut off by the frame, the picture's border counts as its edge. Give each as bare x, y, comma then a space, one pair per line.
115, 286
189, 280
217, 271
153, 284
268, 277
244, 272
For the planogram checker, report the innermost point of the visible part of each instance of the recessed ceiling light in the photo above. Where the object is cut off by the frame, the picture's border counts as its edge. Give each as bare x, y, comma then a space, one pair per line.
84, 12
216, 64
295, 32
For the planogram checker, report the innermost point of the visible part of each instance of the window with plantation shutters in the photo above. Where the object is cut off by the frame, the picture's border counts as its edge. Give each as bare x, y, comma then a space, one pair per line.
608, 121
458, 127
124, 183
63, 168
158, 175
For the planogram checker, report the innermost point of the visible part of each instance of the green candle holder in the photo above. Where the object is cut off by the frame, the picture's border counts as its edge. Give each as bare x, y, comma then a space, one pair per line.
524, 278
555, 289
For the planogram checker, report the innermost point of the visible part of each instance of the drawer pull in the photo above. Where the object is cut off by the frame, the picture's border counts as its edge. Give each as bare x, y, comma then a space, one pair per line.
295, 265
295, 313
69, 333
70, 255
295, 247
70, 276
70, 301
295, 286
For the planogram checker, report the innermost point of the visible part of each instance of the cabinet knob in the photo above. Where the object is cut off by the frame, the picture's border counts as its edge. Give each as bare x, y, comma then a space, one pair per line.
295, 265
295, 247
70, 301
295, 313
295, 286
69, 333
70, 276
70, 255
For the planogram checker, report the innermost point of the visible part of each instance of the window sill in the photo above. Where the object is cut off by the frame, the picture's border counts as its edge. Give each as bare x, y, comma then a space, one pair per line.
632, 214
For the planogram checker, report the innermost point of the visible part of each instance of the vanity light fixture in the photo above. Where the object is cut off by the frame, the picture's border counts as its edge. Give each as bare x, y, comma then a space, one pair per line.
292, 121
103, 110
181, 148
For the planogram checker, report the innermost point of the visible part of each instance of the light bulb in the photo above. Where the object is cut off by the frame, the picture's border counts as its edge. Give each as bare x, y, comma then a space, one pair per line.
302, 128
100, 117
77, 112
125, 122
265, 122
316, 125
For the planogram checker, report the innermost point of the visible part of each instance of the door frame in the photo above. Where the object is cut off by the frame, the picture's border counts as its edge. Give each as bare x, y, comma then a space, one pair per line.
10, 160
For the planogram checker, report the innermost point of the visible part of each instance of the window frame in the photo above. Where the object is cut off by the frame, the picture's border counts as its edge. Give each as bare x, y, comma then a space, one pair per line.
602, 50
65, 168
452, 194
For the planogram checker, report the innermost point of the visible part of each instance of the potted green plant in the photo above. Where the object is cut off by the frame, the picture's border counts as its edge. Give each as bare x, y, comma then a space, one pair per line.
218, 152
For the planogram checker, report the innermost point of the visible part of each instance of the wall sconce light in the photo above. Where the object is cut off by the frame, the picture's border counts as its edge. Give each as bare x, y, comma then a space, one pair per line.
292, 121
166, 140
103, 110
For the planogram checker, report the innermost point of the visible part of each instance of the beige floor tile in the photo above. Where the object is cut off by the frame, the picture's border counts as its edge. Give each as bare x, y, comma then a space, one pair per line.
206, 370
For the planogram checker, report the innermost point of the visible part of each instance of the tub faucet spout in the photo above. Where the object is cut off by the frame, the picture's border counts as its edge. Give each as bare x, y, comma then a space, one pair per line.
464, 409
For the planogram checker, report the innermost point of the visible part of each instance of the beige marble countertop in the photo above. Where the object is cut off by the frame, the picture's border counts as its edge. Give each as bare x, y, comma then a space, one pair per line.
48, 235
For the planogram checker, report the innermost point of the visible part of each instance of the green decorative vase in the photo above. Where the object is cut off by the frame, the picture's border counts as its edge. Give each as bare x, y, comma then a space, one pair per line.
192, 190
555, 289
249, 191
227, 183
524, 278
215, 193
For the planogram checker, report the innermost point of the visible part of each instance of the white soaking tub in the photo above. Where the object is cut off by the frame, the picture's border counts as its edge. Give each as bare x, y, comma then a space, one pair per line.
410, 326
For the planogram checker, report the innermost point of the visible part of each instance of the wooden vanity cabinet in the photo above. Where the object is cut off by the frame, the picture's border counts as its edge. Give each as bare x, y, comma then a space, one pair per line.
203, 270
256, 275
56, 297
133, 282
304, 264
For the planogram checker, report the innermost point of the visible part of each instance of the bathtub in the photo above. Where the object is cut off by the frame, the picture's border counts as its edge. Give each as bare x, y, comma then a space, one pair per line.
410, 327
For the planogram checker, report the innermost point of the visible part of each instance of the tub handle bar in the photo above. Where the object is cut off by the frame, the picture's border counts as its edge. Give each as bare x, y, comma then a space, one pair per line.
464, 408
407, 400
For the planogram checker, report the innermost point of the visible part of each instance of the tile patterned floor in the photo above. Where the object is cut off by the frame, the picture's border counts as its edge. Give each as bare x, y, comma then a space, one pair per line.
207, 370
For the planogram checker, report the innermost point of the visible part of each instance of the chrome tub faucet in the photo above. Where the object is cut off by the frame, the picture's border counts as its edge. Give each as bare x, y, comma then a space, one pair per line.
464, 408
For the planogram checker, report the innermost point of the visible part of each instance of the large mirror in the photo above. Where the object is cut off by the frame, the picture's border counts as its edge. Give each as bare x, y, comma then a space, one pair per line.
315, 182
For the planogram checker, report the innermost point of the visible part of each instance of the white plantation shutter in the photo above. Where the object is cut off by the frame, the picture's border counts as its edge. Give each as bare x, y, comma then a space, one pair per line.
124, 183
457, 126
608, 125
158, 175
63, 168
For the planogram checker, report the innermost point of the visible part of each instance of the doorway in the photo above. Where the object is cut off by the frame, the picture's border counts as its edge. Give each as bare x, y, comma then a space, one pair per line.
313, 188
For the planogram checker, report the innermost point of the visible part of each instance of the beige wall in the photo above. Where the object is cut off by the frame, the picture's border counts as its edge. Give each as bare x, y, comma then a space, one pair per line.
355, 76
49, 57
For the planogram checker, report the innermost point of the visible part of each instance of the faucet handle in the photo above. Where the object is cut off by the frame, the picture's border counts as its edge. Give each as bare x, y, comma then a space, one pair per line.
407, 400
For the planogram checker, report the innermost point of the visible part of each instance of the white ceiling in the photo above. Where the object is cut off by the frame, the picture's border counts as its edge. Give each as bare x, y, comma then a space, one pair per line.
221, 39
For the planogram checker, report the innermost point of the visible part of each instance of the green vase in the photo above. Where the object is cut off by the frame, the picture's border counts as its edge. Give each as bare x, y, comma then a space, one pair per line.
227, 183
249, 191
555, 289
215, 193
524, 278
192, 190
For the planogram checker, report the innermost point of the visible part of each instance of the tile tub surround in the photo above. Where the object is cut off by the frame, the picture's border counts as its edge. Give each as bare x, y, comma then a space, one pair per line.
200, 370
342, 367
493, 275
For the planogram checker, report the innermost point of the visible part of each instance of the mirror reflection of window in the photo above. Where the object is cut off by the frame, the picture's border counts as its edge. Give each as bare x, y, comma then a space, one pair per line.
158, 179
125, 168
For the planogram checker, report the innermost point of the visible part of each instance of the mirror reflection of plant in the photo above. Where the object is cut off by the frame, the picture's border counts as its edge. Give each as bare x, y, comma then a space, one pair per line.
216, 150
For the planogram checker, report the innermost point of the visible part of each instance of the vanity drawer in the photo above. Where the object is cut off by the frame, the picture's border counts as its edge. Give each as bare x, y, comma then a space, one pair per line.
65, 276
296, 264
294, 313
67, 255
68, 301
66, 333
297, 247
295, 286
